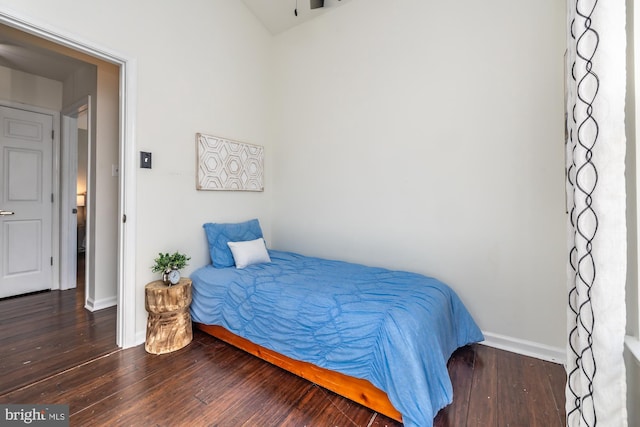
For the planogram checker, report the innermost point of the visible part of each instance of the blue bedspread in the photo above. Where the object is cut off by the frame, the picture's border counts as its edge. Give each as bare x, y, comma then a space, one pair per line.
393, 328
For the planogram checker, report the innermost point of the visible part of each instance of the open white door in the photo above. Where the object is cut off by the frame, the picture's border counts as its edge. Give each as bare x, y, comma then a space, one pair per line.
26, 153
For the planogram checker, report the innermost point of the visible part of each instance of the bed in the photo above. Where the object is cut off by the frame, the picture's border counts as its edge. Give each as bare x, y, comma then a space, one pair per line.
377, 336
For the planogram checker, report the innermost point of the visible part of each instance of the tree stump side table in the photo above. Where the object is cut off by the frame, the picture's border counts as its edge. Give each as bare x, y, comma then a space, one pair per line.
168, 321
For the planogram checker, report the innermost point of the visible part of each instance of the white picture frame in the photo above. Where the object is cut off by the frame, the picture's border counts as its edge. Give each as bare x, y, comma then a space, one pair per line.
227, 165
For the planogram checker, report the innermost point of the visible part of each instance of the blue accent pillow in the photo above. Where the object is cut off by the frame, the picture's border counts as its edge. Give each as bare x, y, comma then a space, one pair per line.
218, 235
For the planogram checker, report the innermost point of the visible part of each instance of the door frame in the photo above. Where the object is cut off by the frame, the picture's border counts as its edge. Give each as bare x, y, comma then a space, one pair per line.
69, 222
126, 310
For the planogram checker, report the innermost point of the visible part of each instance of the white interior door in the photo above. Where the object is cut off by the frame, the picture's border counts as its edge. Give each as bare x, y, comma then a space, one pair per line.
26, 154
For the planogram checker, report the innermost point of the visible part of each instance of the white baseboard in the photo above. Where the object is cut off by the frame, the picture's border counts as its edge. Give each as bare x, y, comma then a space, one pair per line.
95, 305
141, 337
527, 348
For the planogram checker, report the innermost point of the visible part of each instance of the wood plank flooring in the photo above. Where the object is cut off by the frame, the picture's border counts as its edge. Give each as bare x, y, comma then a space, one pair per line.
209, 383
50, 332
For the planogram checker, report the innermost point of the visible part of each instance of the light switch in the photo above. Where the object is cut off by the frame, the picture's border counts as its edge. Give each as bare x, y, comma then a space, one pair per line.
145, 160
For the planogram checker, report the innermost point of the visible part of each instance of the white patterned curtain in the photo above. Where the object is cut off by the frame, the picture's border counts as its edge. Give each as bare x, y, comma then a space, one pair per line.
595, 154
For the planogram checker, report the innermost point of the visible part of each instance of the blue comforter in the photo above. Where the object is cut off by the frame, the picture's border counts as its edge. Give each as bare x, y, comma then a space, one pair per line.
393, 328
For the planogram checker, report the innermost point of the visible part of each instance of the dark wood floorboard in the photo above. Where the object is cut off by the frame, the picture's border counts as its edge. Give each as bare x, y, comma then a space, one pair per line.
67, 356
483, 397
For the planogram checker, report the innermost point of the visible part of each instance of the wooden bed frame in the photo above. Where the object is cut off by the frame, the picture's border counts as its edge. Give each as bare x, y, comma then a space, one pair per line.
356, 389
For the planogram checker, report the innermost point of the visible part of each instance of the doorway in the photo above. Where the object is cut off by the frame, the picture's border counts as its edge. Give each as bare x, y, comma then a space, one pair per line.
121, 264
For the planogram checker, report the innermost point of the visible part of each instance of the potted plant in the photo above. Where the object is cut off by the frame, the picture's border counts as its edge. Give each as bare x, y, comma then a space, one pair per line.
170, 266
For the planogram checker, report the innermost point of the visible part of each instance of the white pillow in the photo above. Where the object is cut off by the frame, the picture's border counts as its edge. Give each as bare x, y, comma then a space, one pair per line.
249, 252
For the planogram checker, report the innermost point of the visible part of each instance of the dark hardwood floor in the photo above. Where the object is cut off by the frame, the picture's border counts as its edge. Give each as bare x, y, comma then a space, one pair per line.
49, 332
209, 383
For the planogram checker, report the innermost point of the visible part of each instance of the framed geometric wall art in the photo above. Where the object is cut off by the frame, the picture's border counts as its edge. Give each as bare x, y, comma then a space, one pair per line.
228, 165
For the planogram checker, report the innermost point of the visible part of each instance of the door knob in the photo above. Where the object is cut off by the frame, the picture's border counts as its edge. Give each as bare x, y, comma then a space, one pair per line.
4, 213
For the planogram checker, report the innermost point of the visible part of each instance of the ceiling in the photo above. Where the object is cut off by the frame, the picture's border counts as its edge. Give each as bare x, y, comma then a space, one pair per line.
278, 15
20, 51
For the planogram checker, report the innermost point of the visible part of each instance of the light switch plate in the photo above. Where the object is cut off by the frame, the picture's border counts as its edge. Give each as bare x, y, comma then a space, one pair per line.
145, 160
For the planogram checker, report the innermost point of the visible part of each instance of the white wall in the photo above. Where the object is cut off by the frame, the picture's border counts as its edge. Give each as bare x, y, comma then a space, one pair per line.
632, 360
428, 136
103, 192
631, 180
203, 66
29, 89
100, 82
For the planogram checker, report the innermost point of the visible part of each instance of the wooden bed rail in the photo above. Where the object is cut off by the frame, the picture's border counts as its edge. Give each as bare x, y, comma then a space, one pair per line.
359, 390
